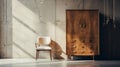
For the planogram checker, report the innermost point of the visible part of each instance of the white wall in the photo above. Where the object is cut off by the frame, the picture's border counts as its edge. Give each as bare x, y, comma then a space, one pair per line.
39, 17
31, 18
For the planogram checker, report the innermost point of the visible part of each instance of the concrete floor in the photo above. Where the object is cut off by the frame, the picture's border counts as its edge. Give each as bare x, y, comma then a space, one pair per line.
56, 63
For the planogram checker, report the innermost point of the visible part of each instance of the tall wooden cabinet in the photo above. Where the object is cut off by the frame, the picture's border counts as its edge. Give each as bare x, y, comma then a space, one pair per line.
82, 32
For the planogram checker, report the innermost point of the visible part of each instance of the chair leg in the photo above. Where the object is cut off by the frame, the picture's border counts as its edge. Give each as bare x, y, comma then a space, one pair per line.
51, 55
37, 54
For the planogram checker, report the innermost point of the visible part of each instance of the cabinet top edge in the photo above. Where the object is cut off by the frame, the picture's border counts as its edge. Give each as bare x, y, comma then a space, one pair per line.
82, 9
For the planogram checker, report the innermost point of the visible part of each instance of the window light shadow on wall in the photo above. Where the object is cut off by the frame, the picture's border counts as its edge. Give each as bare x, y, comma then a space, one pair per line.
26, 27
22, 49
47, 12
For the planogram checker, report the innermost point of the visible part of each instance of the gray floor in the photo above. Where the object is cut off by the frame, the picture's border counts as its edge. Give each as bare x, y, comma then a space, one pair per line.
54, 63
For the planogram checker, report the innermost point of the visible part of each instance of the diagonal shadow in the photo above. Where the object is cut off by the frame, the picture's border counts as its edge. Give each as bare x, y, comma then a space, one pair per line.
57, 50
26, 25
58, 23
17, 45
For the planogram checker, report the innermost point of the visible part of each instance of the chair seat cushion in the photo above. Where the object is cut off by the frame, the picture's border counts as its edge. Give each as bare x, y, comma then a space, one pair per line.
43, 48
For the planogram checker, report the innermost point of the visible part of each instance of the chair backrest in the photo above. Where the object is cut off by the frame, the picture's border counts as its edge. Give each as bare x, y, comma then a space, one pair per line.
44, 40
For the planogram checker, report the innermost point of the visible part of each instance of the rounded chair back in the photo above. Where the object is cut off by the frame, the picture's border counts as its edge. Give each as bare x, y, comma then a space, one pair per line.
44, 40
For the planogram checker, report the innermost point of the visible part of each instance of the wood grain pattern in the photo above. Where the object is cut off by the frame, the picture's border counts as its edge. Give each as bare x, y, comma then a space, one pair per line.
82, 32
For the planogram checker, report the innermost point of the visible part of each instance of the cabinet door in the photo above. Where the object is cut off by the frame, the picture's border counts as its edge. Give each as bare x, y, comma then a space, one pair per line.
82, 32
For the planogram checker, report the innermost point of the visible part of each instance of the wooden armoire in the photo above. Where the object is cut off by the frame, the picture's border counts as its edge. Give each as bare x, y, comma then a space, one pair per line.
82, 33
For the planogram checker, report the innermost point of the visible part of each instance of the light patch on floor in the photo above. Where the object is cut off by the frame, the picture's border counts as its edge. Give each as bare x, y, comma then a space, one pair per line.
56, 63
43, 61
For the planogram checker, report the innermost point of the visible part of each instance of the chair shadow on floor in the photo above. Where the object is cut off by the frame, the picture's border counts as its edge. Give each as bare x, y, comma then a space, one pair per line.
57, 50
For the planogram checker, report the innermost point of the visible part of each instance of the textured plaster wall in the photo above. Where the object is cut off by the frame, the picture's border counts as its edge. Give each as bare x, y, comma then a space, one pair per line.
23, 20
42, 17
36, 18
30, 19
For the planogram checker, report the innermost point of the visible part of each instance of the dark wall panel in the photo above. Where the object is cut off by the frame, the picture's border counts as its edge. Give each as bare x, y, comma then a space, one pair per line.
109, 27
